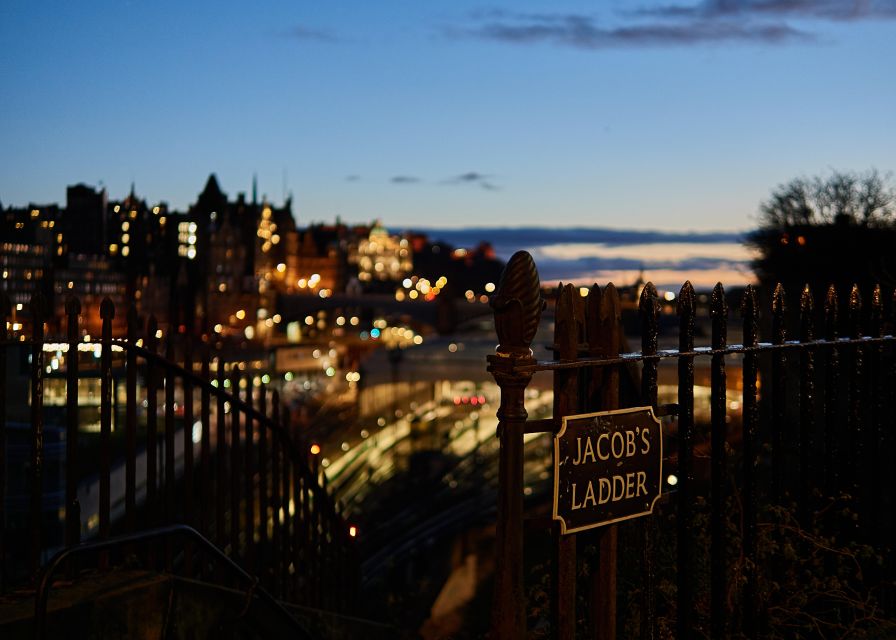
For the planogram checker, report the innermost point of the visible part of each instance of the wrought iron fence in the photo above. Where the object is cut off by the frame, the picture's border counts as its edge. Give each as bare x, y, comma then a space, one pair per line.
235, 470
815, 435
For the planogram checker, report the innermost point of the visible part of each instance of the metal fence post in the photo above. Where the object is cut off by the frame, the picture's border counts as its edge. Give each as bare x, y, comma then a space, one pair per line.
72, 513
517, 306
5, 310
567, 335
38, 309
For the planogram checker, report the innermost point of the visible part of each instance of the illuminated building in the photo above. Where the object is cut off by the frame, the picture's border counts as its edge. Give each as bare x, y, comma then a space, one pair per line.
382, 257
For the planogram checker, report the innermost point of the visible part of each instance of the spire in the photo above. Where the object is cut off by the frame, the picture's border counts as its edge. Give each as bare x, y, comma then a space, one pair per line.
211, 187
254, 188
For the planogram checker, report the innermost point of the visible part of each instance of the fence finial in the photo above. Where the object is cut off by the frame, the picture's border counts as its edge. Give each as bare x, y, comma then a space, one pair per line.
779, 302
72, 306
749, 311
38, 306
518, 305
807, 307
107, 309
807, 304
718, 311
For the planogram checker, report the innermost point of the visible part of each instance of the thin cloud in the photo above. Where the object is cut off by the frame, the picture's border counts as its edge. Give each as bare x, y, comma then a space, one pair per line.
584, 32
404, 180
352, 178
474, 178
841, 10
309, 34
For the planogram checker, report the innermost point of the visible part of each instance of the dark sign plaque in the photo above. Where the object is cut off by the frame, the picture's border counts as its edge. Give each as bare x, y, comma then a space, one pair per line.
608, 467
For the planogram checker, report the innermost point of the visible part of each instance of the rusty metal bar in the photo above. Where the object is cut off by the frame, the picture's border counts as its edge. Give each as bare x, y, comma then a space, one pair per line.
719, 476
187, 388
517, 305
152, 434
856, 457
285, 550
205, 447
307, 549
779, 396
635, 357
263, 503
274, 558
235, 466
750, 315
130, 425
649, 309
604, 586
832, 461
877, 436
107, 313
807, 408
298, 533
170, 489
188, 516
568, 326
249, 483
38, 310
685, 520
220, 460
5, 313
72, 512
316, 565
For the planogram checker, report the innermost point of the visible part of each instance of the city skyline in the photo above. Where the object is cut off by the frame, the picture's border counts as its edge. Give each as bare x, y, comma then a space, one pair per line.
649, 116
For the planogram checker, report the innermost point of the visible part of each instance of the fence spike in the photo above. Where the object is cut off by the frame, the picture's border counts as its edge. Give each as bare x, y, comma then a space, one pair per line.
592, 320
877, 314
686, 312
807, 304
855, 312
567, 324
718, 311
107, 309
807, 404
750, 315
649, 310
831, 313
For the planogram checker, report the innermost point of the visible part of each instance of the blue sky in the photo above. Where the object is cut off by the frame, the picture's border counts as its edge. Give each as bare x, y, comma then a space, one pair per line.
672, 115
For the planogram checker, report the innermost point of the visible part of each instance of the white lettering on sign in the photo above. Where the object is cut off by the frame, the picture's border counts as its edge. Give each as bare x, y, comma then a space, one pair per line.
616, 446
608, 467
612, 489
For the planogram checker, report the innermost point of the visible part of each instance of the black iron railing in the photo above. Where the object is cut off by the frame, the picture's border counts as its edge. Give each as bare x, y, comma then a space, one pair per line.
219, 455
805, 437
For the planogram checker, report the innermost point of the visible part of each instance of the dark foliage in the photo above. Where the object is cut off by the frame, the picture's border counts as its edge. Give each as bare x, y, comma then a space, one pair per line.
840, 229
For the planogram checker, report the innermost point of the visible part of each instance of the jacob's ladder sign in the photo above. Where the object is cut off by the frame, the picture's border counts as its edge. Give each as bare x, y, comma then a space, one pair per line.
608, 467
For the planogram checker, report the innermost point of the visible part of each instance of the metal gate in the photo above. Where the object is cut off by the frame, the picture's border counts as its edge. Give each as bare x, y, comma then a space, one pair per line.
782, 513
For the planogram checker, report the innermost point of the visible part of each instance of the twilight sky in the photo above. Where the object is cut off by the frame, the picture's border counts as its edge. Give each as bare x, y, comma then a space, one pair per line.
679, 114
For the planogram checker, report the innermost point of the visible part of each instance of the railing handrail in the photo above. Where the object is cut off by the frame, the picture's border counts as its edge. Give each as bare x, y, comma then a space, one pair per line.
638, 356
42, 593
200, 384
